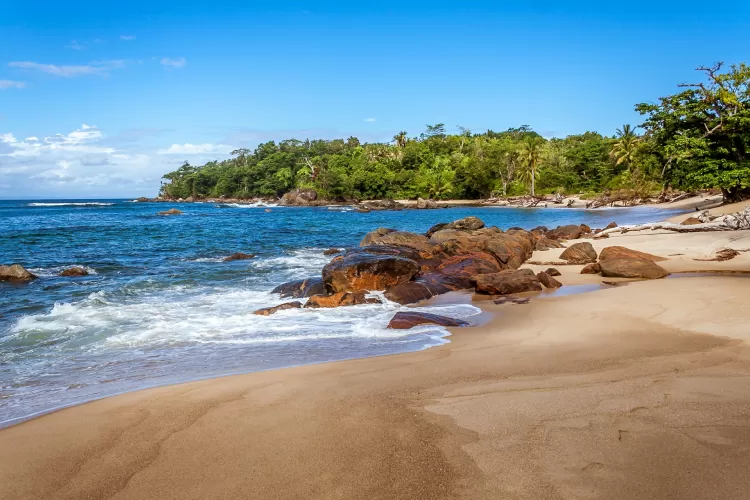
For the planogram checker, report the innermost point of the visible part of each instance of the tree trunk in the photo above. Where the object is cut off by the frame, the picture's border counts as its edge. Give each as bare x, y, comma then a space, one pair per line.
532, 182
735, 194
505, 188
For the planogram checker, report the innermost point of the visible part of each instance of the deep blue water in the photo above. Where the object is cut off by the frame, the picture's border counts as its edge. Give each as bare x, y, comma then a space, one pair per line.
161, 307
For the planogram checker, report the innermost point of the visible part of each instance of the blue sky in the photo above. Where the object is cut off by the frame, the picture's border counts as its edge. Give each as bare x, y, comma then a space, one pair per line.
157, 83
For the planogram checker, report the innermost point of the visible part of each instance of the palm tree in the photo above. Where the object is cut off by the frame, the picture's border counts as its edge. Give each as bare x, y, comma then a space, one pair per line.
530, 155
400, 139
623, 151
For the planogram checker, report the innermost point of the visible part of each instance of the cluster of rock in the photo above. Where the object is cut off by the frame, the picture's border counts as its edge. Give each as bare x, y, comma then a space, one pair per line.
615, 262
410, 267
17, 273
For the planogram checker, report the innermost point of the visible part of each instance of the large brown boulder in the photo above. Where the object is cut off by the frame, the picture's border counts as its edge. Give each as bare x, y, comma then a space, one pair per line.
267, 311
434, 229
457, 271
418, 242
547, 280
408, 293
301, 288
618, 252
299, 197
74, 271
370, 237
593, 268
467, 224
631, 268
507, 282
511, 249
340, 299
407, 319
544, 243
569, 232
367, 271
15, 272
579, 253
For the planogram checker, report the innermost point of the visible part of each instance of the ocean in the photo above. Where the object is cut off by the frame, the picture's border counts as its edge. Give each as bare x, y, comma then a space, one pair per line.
160, 306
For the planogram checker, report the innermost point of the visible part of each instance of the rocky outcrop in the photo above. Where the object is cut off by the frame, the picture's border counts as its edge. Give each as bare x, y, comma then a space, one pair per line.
74, 271
299, 197
340, 299
366, 271
239, 256
370, 237
434, 229
267, 311
386, 204
456, 272
633, 267
405, 320
547, 280
405, 239
15, 272
618, 252
507, 282
579, 253
470, 223
569, 232
171, 211
424, 204
301, 288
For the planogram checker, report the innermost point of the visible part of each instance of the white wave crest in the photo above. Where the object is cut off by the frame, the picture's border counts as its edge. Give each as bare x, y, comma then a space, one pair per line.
48, 272
71, 204
257, 204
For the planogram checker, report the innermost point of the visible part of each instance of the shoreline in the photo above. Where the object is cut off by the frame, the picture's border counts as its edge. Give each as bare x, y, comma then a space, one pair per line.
431, 410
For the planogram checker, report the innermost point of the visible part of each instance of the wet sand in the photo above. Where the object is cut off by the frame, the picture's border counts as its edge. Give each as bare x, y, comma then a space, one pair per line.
634, 391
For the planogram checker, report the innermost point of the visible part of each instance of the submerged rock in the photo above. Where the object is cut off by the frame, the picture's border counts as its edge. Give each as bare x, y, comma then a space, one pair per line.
171, 211
74, 271
341, 299
618, 252
15, 272
301, 288
579, 253
507, 282
405, 320
633, 267
267, 311
239, 256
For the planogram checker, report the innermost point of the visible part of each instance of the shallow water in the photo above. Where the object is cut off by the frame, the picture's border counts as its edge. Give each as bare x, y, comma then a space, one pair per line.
161, 307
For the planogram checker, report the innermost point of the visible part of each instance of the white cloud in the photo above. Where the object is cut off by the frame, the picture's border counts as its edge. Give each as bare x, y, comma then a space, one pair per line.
93, 68
173, 63
195, 149
370, 119
11, 84
127, 37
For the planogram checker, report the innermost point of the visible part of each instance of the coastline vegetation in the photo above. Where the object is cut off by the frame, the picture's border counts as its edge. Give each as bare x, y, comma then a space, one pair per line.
698, 138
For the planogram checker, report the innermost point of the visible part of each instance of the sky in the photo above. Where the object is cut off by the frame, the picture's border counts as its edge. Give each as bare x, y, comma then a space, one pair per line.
100, 99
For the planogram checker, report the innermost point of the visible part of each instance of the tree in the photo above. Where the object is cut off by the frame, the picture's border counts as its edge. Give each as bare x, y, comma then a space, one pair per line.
400, 139
530, 155
624, 150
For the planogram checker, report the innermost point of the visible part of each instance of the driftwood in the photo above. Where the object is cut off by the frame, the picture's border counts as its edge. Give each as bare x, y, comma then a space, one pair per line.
730, 222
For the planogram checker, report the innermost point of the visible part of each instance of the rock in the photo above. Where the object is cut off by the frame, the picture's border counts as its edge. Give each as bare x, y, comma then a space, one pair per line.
386, 204
601, 236
405, 239
421, 203
340, 299
360, 210
691, 221
457, 272
591, 269
171, 211
569, 232
585, 228
15, 272
74, 271
579, 253
618, 252
611, 225
632, 267
409, 293
507, 282
332, 251
553, 272
467, 224
547, 280
142, 199
405, 320
512, 300
239, 256
406, 252
365, 271
370, 237
544, 243
301, 288
434, 229
299, 197
267, 311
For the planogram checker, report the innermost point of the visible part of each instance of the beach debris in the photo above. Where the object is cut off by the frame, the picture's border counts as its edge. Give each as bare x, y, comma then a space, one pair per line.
341, 299
406, 319
171, 211
631, 267
611, 283
729, 222
15, 272
267, 311
619, 252
301, 288
553, 272
239, 256
722, 255
547, 280
592, 268
365, 271
579, 253
74, 271
507, 282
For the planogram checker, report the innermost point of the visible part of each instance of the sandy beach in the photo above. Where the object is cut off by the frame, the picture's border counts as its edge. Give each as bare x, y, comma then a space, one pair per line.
634, 391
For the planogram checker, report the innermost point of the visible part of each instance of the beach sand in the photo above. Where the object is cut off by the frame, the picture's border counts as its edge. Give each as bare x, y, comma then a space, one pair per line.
633, 391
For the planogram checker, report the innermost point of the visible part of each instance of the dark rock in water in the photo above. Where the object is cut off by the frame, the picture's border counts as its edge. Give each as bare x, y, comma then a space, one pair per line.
340, 299
332, 251
591, 269
553, 272
239, 256
618, 252
15, 272
142, 199
406, 320
267, 311
362, 210
370, 237
409, 293
507, 282
569, 232
366, 271
579, 253
301, 288
171, 211
299, 197
74, 271
547, 280
631, 268
434, 229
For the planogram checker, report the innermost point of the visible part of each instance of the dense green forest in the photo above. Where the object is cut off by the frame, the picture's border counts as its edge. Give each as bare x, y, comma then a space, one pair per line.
696, 138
